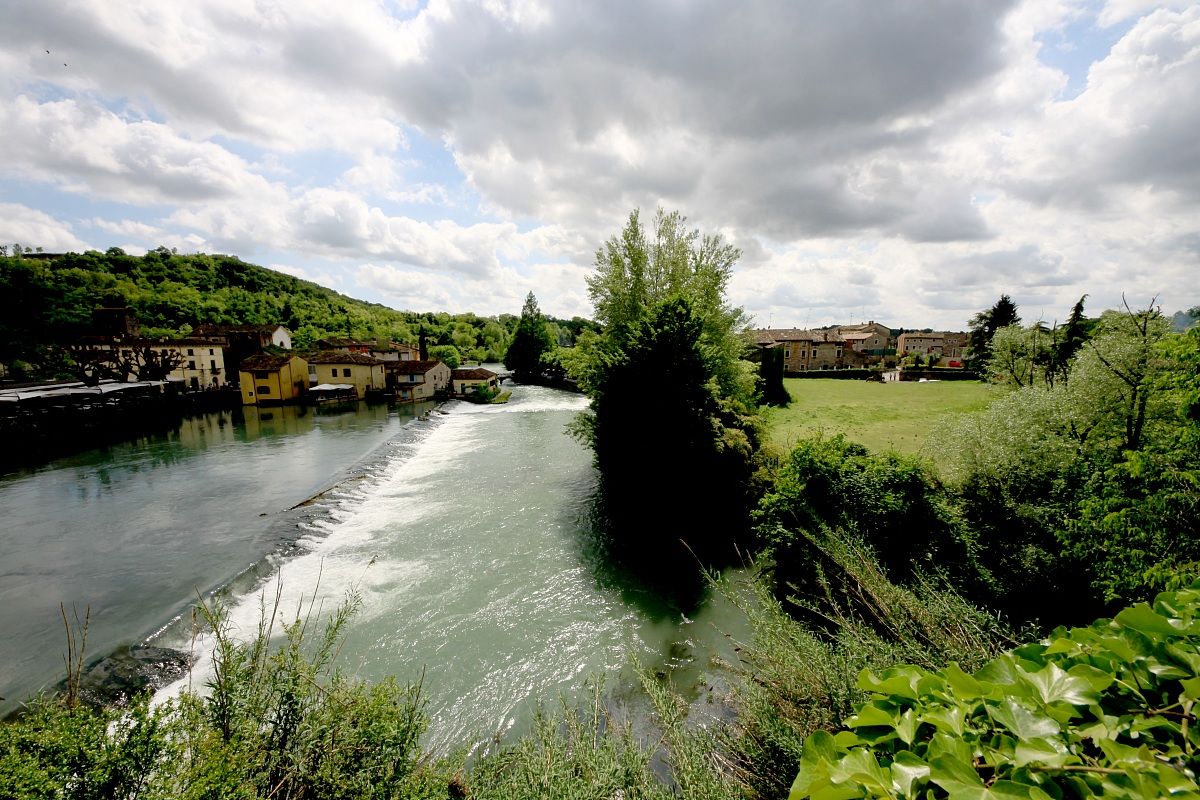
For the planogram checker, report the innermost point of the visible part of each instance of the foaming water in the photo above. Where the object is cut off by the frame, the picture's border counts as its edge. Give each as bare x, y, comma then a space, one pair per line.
471, 550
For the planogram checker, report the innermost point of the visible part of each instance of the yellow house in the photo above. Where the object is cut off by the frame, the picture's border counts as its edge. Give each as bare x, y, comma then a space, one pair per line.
359, 370
270, 380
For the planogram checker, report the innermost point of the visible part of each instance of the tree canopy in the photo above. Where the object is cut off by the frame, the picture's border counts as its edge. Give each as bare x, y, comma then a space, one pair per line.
672, 414
530, 342
983, 327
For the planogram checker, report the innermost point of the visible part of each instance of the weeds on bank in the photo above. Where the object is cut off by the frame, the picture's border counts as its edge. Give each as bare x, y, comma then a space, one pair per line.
799, 673
279, 721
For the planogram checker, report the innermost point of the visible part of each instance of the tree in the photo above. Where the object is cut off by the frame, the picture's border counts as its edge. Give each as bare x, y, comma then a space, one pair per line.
530, 342
672, 412
447, 353
1069, 339
1020, 356
983, 327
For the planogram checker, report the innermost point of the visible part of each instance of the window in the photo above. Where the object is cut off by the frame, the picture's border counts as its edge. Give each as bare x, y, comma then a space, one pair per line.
191, 365
814, 355
190, 353
210, 351
787, 352
261, 374
212, 364
839, 353
264, 389
412, 378
345, 372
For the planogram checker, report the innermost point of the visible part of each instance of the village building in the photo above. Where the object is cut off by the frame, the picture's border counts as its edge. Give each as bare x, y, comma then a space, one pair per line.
258, 337
394, 351
465, 380
948, 348
359, 370
413, 381
872, 338
805, 350
201, 360
267, 379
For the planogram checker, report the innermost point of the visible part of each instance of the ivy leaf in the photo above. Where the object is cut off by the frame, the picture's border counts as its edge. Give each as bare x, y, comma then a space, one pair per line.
907, 769
1097, 679
906, 728
898, 681
1025, 723
860, 766
965, 687
949, 720
957, 777
1142, 618
1191, 688
1040, 751
871, 716
1054, 685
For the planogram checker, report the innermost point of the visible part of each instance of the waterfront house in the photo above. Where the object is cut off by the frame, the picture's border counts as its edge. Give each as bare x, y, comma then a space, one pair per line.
463, 381
416, 380
267, 379
201, 360
359, 370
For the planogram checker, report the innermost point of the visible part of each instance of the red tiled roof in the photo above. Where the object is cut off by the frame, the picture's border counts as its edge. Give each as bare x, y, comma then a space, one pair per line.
410, 367
471, 374
263, 363
340, 357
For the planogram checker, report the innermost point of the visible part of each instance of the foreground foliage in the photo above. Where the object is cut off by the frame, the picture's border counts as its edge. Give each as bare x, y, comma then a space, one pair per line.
1105, 710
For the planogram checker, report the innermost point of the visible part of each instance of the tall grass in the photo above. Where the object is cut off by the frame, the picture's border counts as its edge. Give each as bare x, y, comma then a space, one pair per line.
799, 673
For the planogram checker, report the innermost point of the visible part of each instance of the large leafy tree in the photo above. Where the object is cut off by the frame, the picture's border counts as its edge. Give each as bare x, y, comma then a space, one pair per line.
671, 420
530, 342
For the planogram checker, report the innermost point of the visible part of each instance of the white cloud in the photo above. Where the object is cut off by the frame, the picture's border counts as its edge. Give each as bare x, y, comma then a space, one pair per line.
907, 162
32, 228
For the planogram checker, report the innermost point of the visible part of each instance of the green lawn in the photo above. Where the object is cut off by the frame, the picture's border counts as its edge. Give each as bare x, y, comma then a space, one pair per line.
882, 416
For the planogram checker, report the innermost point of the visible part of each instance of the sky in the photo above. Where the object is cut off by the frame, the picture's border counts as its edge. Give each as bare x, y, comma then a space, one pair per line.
904, 161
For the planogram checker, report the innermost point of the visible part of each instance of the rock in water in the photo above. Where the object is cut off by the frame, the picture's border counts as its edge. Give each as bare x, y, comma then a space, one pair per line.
128, 671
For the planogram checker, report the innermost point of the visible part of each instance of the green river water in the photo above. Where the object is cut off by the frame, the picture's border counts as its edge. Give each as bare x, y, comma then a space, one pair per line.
468, 534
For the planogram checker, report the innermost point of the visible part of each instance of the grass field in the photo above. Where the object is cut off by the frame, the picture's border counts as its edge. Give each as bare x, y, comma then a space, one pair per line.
882, 416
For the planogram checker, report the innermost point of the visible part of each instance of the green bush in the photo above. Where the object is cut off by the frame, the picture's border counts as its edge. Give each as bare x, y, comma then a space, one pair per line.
1102, 710
892, 502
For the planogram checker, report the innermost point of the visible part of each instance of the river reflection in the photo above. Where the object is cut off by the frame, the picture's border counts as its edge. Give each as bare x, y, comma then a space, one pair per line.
134, 530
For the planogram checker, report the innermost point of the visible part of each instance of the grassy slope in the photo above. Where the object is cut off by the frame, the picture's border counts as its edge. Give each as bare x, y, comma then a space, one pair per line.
882, 416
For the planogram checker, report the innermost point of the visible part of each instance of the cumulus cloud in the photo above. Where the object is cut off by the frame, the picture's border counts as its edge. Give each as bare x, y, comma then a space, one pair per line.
32, 228
907, 161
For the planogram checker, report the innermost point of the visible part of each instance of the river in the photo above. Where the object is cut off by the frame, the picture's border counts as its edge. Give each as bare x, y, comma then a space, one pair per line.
468, 535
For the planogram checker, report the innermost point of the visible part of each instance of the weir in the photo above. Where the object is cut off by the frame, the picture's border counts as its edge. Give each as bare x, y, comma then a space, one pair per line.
471, 540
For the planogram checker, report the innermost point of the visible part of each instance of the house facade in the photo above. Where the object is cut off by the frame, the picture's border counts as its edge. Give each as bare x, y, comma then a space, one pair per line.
271, 380
201, 359
948, 347
413, 381
464, 380
394, 351
359, 370
805, 350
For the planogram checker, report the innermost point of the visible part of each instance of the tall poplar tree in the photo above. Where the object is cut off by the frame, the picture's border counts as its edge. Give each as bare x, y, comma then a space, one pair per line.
530, 341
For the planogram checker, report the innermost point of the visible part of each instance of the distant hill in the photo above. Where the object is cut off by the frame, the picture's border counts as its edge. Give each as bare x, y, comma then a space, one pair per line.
1182, 320
49, 301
